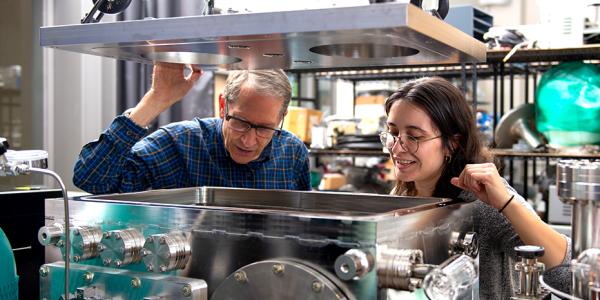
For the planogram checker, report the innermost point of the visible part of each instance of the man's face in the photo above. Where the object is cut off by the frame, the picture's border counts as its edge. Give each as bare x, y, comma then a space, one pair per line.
253, 108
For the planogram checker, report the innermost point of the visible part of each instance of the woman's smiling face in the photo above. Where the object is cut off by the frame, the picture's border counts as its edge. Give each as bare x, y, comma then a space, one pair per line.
423, 167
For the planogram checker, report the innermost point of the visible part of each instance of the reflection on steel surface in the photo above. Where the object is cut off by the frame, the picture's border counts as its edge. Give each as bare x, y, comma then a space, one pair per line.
91, 282
217, 234
342, 37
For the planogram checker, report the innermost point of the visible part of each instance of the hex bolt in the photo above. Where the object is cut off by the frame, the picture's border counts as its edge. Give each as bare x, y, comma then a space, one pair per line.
240, 277
106, 262
150, 239
106, 234
278, 269
118, 263
88, 277
77, 258
186, 291
162, 268
101, 248
144, 252
167, 255
44, 271
79, 294
80, 245
317, 286
76, 232
117, 236
135, 283
161, 240
150, 267
122, 250
60, 243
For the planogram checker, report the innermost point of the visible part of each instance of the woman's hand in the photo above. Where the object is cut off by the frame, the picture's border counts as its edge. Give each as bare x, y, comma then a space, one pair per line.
484, 182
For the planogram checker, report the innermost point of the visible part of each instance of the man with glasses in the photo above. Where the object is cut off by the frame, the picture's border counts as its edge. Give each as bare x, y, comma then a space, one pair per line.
246, 147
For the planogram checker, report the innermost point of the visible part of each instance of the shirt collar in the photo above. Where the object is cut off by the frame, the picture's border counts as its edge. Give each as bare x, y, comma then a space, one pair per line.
267, 153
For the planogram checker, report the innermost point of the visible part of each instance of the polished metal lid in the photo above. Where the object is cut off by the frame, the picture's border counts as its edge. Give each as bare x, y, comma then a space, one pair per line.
342, 37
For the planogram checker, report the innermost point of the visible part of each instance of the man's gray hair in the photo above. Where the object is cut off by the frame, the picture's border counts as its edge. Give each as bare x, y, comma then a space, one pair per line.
273, 84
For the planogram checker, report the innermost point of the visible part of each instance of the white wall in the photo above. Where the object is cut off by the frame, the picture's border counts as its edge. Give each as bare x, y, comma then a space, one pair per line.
79, 94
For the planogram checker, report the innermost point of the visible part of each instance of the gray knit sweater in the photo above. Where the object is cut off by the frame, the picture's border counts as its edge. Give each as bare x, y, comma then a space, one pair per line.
497, 240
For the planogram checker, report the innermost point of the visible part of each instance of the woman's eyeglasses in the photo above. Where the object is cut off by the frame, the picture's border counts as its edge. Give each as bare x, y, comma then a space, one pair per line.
407, 142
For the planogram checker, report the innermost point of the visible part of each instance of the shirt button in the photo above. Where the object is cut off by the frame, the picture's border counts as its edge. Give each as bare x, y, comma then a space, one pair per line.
248, 174
129, 132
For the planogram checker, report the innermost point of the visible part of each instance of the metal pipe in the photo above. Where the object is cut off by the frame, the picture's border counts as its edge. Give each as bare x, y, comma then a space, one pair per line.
67, 231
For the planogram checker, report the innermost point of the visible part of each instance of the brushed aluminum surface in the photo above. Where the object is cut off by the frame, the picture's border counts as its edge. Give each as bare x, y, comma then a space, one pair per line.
343, 37
228, 228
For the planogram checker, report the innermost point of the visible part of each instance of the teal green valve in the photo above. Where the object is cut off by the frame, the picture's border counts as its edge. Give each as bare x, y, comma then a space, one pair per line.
9, 288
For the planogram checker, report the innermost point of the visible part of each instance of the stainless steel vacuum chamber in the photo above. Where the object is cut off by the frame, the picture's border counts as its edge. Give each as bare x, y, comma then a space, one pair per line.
250, 244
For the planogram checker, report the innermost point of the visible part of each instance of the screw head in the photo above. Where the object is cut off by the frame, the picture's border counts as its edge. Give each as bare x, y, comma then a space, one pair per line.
150, 267
277, 269
150, 239
106, 234
76, 232
106, 262
80, 245
117, 236
161, 240
122, 250
186, 291
100, 248
167, 255
240, 277
77, 258
44, 271
317, 286
60, 243
88, 277
135, 283
144, 252
118, 263
162, 268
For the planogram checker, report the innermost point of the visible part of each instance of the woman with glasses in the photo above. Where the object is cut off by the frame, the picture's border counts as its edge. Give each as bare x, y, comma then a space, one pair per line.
436, 150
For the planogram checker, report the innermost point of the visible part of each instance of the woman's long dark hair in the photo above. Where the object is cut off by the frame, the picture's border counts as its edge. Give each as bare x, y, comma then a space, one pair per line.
453, 117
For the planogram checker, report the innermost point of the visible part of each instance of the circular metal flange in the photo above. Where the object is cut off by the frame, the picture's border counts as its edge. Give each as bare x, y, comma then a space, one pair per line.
84, 243
121, 247
364, 50
194, 58
166, 252
260, 282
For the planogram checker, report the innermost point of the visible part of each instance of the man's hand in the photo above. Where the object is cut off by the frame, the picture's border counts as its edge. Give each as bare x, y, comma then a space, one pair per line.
169, 85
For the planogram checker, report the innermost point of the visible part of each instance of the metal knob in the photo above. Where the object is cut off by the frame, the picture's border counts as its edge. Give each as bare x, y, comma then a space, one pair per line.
353, 265
529, 269
50, 235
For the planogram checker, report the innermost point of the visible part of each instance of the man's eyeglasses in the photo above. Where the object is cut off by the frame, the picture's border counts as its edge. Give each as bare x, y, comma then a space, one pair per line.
407, 142
244, 126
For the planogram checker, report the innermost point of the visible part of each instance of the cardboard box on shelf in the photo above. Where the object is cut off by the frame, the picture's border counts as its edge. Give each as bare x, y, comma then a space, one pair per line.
333, 181
368, 100
300, 120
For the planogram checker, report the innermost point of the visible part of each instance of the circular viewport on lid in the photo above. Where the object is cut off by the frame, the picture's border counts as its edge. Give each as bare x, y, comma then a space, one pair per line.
364, 50
194, 58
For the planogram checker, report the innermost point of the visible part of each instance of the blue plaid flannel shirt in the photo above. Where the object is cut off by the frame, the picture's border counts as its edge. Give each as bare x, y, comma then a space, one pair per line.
185, 154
